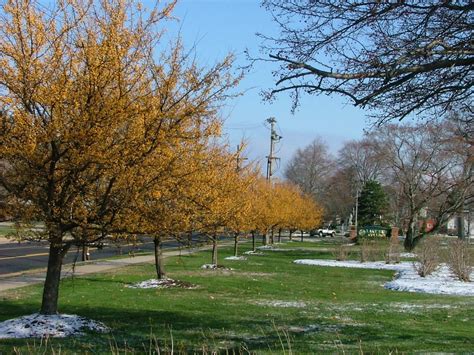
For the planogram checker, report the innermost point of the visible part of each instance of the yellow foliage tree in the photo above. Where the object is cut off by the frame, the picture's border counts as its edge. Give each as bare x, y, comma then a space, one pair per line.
89, 115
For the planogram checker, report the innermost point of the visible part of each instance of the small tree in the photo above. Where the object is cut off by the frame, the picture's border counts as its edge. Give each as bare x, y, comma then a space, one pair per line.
373, 203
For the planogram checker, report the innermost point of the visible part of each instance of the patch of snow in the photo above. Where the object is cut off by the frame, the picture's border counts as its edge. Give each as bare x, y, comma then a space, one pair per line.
215, 267
414, 308
407, 279
408, 255
265, 247
379, 265
236, 258
439, 282
163, 283
53, 326
315, 328
251, 252
282, 304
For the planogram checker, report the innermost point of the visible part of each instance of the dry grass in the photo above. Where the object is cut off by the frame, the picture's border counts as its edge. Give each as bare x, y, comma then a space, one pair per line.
371, 250
428, 259
460, 259
341, 252
392, 254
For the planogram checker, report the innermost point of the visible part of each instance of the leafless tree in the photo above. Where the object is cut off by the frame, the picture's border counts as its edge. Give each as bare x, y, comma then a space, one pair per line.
395, 58
363, 158
432, 169
310, 168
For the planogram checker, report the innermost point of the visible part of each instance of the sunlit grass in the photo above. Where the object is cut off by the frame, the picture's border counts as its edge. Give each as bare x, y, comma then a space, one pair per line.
329, 309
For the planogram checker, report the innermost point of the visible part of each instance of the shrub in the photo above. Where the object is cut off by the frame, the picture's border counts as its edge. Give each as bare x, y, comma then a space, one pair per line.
392, 254
370, 250
427, 256
460, 259
341, 252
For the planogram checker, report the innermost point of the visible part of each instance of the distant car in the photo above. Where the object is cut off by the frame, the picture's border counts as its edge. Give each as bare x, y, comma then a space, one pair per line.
323, 232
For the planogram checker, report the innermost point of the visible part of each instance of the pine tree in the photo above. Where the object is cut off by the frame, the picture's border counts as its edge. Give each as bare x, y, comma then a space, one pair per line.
373, 204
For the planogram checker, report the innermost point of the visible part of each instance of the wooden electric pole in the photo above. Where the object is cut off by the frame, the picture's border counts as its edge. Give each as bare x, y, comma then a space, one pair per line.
274, 138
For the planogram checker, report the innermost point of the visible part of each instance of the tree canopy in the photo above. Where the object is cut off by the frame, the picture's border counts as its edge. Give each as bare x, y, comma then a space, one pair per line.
395, 58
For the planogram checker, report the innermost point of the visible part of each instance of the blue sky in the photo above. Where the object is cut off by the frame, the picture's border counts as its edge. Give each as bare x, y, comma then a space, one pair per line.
221, 26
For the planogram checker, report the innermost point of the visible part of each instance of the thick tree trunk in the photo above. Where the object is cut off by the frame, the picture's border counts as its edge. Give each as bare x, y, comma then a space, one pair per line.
253, 241
271, 236
214, 250
291, 235
412, 238
160, 269
301, 235
236, 244
57, 251
279, 235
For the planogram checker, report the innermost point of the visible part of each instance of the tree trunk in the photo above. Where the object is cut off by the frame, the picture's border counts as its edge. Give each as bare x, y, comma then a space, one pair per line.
271, 236
236, 243
57, 251
279, 235
301, 235
160, 269
85, 253
214, 250
411, 237
291, 234
253, 241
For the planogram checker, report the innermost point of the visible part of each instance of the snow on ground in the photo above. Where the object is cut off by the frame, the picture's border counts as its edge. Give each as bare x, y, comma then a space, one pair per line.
251, 252
163, 283
408, 255
315, 328
265, 247
54, 326
379, 265
282, 304
416, 308
215, 267
440, 282
236, 258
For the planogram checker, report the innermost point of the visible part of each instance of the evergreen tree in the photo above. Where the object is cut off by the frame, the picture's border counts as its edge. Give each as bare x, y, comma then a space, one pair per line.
373, 204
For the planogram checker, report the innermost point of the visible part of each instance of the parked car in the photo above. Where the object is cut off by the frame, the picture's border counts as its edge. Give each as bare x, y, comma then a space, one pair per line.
323, 232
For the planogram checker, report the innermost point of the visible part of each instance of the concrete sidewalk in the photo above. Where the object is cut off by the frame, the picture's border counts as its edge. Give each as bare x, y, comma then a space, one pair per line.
15, 280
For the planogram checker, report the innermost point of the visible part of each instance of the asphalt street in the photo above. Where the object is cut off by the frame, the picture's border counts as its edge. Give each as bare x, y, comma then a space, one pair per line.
17, 257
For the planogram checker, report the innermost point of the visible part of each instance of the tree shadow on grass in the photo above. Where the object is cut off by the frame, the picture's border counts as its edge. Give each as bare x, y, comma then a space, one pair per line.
133, 328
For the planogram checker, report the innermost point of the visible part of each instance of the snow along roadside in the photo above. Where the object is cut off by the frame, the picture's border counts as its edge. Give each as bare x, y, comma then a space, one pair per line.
440, 282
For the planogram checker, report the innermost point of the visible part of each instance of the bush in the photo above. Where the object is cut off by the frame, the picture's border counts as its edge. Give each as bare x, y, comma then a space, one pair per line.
428, 259
341, 252
371, 250
392, 254
460, 259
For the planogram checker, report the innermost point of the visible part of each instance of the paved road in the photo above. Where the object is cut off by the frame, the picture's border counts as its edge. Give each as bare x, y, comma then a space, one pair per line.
17, 257
34, 277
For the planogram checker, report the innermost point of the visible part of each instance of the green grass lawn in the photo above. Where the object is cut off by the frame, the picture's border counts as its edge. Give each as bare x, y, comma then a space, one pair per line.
327, 309
6, 230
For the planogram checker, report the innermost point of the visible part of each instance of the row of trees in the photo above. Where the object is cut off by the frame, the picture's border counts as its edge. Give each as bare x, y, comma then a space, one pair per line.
422, 167
100, 135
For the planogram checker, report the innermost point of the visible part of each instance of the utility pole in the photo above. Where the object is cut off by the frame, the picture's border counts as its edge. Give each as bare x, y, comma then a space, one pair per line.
274, 138
238, 158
